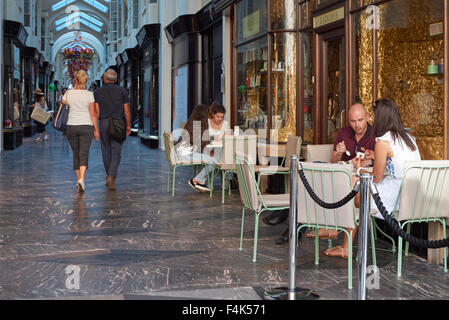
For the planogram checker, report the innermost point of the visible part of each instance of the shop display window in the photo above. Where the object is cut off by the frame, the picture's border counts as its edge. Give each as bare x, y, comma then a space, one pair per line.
252, 19
283, 14
307, 87
283, 86
409, 56
252, 73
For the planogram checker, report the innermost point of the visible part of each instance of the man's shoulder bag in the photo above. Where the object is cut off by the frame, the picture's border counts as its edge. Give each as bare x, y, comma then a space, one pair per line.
117, 129
117, 126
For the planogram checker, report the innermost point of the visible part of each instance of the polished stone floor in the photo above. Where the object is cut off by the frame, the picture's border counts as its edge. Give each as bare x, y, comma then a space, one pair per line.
138, 241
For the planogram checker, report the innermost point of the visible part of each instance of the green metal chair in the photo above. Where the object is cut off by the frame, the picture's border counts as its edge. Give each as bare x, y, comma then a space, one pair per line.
423, 197
293, 148
226, 165
331, 182
253, 199
174, 162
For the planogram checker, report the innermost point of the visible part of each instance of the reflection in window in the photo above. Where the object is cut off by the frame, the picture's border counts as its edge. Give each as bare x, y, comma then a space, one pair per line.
308, 88
283, 84
283, 14
251, 19
252, 68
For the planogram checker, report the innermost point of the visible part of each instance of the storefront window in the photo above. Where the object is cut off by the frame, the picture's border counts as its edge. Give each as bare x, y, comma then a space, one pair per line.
363, 78
308, 88
361, 3
410, 53
283, 14
283, 86
251, 19
252, 68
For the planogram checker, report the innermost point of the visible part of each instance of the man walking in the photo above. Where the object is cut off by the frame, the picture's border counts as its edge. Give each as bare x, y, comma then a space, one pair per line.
111, 101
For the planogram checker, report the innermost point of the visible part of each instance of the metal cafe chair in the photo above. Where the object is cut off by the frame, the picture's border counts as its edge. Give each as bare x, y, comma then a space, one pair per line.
226, 165
173, 162
293, 148
331, 182
253, 199
423, 197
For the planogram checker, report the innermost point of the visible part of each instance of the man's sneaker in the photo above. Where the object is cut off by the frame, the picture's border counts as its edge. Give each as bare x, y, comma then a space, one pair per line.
46, 137
202, 187
192, 185
38, 139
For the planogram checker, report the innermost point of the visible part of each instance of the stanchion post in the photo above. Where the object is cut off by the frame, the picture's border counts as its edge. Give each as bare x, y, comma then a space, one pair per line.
292, 292
365, 180
292, 229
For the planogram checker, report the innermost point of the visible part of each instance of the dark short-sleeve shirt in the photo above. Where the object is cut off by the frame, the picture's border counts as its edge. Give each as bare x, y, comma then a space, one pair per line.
113, 97
347, 135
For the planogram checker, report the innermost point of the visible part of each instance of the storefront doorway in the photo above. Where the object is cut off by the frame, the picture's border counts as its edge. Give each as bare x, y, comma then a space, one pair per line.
332, 106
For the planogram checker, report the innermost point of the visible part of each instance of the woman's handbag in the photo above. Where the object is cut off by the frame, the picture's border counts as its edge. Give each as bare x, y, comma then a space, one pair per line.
117, 129
62, 117
60, 122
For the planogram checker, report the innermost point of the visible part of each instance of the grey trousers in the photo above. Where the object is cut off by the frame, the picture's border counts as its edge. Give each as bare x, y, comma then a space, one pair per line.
110, 149
80, 139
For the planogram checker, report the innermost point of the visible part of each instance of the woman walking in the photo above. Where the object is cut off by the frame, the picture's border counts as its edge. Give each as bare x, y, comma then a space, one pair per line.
82, 125
39, 102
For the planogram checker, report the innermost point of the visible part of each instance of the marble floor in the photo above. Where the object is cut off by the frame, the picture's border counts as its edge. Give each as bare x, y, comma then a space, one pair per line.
139, 242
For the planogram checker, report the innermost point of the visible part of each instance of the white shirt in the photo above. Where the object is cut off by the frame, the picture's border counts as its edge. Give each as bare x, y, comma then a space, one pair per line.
389, 186
78, 101
213, 132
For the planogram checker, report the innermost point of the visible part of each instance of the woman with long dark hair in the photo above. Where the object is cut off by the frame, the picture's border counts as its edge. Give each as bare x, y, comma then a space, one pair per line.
192, 143
394, 146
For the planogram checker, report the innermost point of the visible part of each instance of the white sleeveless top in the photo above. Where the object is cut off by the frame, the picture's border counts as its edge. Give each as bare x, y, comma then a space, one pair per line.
78, 101
389, 187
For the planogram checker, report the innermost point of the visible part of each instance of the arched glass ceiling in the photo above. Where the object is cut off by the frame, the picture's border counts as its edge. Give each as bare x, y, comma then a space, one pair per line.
94, 3
76, 20
67, 19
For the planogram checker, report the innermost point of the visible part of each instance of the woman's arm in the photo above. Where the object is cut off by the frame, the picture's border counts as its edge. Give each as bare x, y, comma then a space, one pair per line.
381, 150
94, 117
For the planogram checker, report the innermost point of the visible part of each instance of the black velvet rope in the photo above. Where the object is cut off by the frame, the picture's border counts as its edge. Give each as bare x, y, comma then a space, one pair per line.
432, 244
320, 202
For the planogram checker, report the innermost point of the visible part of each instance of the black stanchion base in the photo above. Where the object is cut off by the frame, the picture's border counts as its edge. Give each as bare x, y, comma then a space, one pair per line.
282, 294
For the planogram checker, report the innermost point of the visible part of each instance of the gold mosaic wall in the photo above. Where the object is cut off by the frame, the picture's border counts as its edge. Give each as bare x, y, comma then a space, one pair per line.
405, 49
364, 78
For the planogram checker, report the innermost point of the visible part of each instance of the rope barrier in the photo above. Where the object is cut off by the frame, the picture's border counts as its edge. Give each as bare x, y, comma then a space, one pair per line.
320, 202
432, 244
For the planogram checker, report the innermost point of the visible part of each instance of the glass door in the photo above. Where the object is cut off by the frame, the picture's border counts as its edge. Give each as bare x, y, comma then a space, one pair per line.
333, 105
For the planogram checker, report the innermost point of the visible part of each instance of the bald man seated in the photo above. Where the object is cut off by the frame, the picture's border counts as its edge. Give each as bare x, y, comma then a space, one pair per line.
357, 137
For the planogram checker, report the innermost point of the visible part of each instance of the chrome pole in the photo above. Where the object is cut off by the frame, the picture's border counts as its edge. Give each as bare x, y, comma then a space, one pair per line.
365, 179
292, 229
292, 292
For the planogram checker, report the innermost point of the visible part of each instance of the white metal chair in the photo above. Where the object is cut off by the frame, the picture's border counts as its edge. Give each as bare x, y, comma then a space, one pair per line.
174, 162
331, 182
293, 148
319, 152
252, 197
423, 197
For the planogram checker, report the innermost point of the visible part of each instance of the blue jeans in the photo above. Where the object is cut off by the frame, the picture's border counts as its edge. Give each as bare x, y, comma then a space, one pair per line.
196, 156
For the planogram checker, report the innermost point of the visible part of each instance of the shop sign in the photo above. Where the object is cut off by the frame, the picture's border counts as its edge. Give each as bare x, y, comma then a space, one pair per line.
251, 24
329, 17
436, 29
